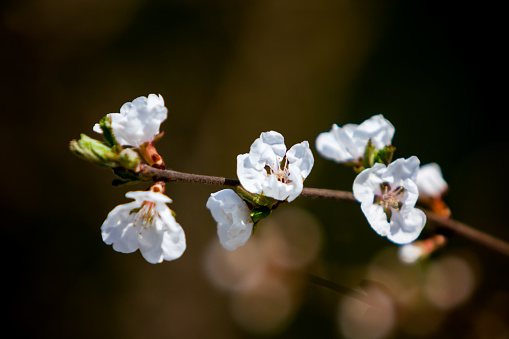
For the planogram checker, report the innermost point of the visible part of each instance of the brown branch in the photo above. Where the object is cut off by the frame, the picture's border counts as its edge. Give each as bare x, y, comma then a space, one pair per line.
456, 227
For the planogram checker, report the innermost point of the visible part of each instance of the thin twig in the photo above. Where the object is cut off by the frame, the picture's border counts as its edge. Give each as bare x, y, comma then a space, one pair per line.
319, 193
347, 291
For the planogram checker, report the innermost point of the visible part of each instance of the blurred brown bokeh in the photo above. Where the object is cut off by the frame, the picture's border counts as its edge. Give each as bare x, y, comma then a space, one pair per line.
229, 70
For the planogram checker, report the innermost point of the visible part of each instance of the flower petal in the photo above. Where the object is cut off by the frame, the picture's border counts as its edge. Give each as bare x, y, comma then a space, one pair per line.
406, 227
150, 241
250, 177
301, 157
234, 224
378, 129
174, 241
377, 218
402, 169
367, 183
328, 146
268, 149
118, 228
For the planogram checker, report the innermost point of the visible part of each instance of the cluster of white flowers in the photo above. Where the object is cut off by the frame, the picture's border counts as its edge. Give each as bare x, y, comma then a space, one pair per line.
388, 193
147, 223
268, 170
269, 174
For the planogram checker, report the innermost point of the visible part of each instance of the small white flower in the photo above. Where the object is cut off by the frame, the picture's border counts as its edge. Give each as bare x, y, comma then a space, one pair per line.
233, 217
388, 195
348, 143
410, 253
270, 170
146, 224
138, 121
430, 181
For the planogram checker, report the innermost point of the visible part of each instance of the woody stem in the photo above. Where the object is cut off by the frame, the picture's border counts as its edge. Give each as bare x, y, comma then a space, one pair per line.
456, 227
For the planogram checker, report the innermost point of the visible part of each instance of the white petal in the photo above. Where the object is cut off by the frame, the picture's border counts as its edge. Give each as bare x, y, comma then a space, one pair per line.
174, 241
410, 195
430, 181
376, 217
268, 149
378, 129
328, 146
276, 189
234, 224
150, 241
250, 177
297, 185
301, 157
118, 229
367, 183
141, 196
97, 129
402, 169
406, 227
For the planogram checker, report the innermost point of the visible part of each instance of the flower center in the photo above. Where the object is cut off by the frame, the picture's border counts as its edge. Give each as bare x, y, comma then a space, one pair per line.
280, 171
389, 198
145, 215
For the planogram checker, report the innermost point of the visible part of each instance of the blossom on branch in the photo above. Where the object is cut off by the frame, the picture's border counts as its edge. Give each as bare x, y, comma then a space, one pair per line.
233, 217
146, 224
138, 121
271, 170
348, 143
388, 195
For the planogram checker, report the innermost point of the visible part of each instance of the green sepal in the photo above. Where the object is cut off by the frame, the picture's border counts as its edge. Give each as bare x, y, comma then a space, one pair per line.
109, 137
369, 155
94, 151
127, 175
384, 155
257, 200
259, 213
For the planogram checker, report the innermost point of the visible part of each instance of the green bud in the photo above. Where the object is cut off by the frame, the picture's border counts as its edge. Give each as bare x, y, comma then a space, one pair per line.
258, 200
130, 159
94, 151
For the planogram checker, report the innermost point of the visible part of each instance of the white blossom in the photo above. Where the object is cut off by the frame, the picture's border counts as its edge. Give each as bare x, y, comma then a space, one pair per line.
271, 170
388, 195
233, 217
138, 121
348, 143
430, 181
146, 224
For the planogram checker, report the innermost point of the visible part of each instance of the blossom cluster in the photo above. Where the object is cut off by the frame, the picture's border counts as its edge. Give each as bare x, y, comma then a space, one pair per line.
387, 190
269, 175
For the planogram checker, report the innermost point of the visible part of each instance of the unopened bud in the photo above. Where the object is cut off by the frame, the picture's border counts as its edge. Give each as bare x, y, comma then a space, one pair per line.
94, 151
130, 159
421, 249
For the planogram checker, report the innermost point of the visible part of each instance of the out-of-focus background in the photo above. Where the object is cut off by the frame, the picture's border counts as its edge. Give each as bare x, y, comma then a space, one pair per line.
229, 70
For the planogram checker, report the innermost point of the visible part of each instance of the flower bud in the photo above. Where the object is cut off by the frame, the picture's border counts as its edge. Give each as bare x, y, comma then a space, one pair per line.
94, 151
130, 159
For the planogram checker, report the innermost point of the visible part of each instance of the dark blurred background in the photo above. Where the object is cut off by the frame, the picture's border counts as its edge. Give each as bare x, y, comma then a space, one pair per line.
229, 70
